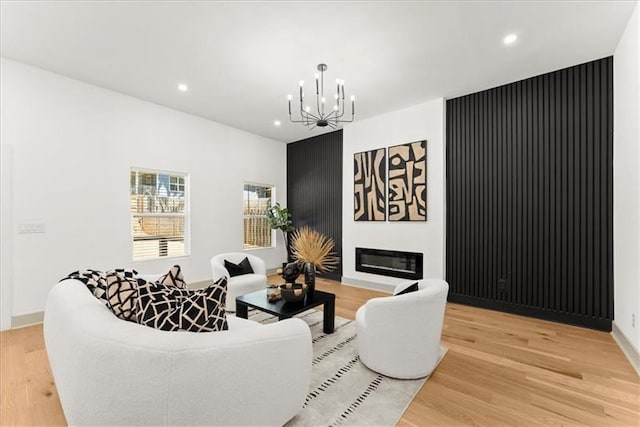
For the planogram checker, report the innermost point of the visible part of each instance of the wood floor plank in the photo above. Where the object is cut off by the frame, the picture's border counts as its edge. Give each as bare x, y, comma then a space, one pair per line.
13, 386
501, 369
44, 404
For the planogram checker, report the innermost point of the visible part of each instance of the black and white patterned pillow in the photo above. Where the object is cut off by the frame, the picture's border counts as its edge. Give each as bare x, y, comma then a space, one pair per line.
129, 274
94, 280
173, 309
173, 278
122, 293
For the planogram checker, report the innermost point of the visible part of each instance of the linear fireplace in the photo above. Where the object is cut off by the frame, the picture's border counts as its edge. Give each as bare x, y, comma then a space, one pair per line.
405, 265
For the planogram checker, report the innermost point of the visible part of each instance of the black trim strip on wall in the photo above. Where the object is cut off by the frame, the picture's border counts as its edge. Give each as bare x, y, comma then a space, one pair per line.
529, 196
314, 188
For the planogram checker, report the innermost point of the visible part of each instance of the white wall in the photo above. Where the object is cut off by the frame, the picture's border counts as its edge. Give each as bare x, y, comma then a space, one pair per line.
626, 181
73, 145
6, 250
423, 121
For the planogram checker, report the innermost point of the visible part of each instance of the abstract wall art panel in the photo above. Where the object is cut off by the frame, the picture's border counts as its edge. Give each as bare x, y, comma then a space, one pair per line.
408, 182
369, 185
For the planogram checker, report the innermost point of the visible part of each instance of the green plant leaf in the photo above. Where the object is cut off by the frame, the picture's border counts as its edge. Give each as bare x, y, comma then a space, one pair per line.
280, 218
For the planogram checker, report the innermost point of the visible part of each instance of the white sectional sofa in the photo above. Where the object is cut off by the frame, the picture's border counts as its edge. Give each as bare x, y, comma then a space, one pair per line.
113, 372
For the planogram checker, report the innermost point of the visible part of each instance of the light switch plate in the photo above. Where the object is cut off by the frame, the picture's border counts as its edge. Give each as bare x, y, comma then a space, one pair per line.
31, 228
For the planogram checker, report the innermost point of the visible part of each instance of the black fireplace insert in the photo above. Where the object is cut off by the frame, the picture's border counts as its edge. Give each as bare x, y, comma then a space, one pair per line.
405, 265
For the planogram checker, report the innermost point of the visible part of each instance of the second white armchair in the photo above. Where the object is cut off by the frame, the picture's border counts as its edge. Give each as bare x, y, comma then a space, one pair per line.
399, 336
243, 284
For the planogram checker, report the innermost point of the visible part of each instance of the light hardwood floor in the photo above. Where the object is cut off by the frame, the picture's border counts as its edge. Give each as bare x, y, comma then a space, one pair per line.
501, 369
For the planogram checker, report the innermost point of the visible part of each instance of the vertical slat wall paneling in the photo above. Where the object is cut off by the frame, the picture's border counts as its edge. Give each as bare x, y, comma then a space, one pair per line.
530, 196
314, 187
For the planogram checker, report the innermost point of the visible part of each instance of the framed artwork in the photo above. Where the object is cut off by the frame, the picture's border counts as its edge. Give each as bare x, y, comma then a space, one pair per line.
369, 185
408, 182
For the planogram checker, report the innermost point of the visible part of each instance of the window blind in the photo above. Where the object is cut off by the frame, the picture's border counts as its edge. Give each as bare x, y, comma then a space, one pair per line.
257, 199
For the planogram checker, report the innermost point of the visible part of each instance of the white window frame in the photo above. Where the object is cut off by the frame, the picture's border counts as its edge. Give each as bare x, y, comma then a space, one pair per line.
180, 185
186, 214
273, 200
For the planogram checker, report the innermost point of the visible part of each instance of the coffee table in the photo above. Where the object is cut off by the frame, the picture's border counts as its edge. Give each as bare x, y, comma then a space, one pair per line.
285, 310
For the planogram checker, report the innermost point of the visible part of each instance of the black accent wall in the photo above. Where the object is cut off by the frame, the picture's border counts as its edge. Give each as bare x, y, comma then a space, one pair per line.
314, 187
529, 196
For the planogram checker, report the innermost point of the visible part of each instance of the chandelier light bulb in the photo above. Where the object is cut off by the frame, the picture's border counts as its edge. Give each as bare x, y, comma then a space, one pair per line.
301, 83
336, 96
317, 76
323, 100
335, 107
289, 97
353, 98
307, 109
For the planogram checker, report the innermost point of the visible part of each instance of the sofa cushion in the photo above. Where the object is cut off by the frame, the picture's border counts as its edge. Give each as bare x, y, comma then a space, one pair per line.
121, 294
244, 267
173, 278
173, 309
413, 287
94, 280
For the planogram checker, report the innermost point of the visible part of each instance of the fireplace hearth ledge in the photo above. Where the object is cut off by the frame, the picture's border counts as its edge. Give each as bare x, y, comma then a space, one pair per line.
368, 284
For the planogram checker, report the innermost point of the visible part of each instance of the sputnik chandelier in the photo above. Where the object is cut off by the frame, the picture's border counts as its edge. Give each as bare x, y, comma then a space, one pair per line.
333, 115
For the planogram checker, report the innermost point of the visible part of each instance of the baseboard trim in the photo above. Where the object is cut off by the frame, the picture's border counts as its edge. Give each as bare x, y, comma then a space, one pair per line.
366, 284
27, 319
538, 313
627, 348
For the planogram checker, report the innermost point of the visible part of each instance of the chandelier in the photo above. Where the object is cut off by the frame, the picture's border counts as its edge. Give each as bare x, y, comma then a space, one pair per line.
324, 114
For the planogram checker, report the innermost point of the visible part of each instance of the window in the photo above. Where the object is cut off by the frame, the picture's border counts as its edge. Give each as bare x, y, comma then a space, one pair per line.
159, 220
256, 200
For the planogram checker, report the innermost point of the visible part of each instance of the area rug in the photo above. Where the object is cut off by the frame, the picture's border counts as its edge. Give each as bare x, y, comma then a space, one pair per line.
343, 391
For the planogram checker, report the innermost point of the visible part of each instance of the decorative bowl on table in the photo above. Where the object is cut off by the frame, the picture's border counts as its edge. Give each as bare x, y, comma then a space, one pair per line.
273, 293
293, 292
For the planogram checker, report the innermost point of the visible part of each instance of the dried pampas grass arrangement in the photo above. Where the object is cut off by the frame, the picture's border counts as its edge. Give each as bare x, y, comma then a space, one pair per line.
311, 246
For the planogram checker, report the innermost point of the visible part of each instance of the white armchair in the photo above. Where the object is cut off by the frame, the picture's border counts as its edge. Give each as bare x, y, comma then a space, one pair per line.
399, 336
239, 285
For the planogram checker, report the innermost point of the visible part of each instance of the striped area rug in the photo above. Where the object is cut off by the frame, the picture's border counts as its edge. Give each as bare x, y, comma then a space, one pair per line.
343, 391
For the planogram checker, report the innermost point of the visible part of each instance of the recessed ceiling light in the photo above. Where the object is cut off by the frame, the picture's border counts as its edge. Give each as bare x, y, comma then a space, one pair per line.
276, 123
510, 38
183, 87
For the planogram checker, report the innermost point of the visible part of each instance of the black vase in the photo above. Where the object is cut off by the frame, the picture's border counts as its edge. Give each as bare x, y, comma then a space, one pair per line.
310, 279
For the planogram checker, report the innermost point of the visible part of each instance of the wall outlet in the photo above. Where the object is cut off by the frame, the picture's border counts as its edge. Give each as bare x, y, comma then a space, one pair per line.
31, 228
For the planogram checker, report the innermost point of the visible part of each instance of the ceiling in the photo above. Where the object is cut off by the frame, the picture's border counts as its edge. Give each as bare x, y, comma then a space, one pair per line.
240, 60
